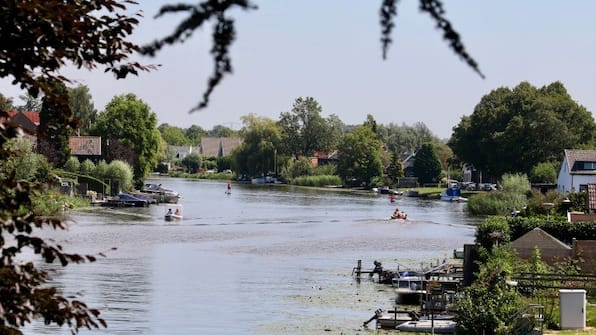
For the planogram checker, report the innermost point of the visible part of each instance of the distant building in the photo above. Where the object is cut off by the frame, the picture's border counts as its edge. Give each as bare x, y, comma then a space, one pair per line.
218, 146
577, 171
85, 146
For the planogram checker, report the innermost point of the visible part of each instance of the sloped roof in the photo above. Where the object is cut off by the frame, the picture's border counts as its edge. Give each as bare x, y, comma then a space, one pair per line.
574, 156
219, 146
539, 238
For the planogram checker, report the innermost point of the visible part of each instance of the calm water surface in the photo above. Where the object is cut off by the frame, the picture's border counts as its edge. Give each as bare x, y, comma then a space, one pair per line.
262, 260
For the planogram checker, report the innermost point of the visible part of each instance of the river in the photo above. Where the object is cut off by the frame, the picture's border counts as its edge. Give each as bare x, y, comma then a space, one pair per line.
265, 259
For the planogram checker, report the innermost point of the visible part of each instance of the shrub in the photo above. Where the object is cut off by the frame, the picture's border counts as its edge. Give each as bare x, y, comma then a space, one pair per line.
318, 181
495, 203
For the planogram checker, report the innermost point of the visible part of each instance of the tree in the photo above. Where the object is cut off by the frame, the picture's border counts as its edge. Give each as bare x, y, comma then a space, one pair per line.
129, 122
173, 135
192, 162
543, 173
511, 130
221, 131
32, 103
52, 135
82, 108
359, 156
395, 169
37, 39
303, 129
427, 166
256, 155
194, 133
5, 103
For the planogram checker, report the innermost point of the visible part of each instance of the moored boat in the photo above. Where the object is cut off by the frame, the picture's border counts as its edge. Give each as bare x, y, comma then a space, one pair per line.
428, 326
453, 194
160, 194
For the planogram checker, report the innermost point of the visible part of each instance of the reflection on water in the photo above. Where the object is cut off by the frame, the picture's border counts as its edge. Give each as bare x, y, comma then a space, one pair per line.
262, 260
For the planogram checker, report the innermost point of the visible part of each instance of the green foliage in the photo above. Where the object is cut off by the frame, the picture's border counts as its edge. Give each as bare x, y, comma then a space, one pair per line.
192, 162
555, 225
326, 169
395, 169
303, 129
536, 201
257, 153
122, 172
317, 181
579, 201
404, 138
515, 183
25, 164
129, 122
360, 158
299, 167
87, 167
427, 166
54, 127
173, 135
511, 197
492, 231
82, 107
543, 173
72, 164
495, 203
511, 130
489, 305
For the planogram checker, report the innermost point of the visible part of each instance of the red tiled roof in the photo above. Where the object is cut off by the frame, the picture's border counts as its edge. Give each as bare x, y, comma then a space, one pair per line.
33, 116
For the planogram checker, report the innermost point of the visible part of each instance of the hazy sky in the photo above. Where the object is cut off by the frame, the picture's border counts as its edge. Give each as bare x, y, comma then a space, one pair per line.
330, 50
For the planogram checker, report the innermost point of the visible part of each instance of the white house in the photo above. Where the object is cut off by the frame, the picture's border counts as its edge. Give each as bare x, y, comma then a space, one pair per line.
577, 171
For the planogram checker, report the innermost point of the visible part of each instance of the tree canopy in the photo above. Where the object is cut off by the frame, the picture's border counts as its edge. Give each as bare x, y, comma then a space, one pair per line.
360, 158
427, 166
512, 130
304, 130
129, 121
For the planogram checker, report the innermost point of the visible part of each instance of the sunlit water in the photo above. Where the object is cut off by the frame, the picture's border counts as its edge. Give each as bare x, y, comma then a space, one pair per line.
263, 260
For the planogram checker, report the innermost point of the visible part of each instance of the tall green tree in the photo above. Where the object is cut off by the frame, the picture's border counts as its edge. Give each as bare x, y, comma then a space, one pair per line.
360, 156
52, 135
511, 130
194, 133
173, 135
221, 131
81, 104
129, 122
427, 166
304, 131
256, 155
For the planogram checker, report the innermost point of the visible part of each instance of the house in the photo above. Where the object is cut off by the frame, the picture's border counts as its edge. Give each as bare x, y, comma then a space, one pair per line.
218, 146
319, 158
552, 250
85, 147
29, 121
577, 171
181, 151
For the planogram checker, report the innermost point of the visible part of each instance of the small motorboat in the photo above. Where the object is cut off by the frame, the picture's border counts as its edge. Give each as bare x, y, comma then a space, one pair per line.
174, 213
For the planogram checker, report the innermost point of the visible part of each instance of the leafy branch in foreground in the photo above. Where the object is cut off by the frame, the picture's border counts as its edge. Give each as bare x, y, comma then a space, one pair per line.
24, 293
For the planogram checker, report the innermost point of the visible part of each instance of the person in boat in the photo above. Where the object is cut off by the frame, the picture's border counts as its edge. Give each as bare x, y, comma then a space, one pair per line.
177, 211
169, 211
229, 188
397, 214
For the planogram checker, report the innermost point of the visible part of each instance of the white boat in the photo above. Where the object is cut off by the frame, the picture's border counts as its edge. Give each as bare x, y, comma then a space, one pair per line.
428, 326
160, 194
453, 194
174, 213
